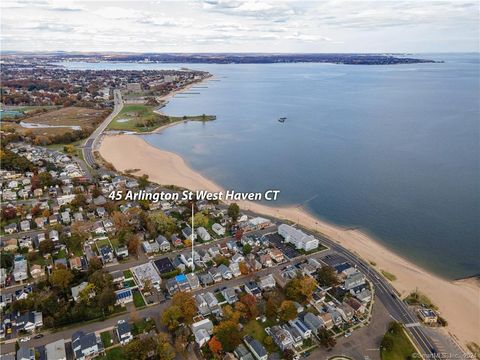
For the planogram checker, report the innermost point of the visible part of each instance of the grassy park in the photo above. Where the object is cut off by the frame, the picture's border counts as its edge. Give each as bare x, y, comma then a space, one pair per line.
395, 344
143, 118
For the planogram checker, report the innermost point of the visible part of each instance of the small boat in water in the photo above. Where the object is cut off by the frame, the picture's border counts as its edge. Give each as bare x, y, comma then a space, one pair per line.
282, 119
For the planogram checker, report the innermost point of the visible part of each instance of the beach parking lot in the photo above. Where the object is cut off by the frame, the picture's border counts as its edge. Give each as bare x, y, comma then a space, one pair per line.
277, 240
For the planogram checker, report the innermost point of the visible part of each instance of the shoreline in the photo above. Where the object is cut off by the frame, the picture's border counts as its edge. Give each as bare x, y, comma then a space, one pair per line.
172, 169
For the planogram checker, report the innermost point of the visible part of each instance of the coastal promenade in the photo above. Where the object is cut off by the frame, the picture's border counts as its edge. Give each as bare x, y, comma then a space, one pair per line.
92, 142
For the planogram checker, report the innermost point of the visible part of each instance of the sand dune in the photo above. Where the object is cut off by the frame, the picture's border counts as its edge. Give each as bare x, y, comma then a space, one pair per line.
459, 302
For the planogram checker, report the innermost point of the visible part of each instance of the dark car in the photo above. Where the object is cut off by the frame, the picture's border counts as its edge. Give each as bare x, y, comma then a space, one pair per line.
38, 336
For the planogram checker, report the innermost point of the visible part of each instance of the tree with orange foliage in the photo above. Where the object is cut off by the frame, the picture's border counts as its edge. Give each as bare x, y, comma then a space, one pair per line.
133, 244
187, 305
250, 304
215, 345
244, 269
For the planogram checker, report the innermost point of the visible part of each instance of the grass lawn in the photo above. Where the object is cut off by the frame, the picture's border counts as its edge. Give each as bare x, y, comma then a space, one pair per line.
399, 346
62, 254
388, 275
115, 243
102, 243
138, 299
220, 297
255, 329
106, 337
69, 116
113, 354
127, 274
142, 326
132, 117
142, 118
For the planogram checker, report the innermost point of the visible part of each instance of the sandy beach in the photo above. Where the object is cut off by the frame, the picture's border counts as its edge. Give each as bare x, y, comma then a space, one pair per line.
459, 301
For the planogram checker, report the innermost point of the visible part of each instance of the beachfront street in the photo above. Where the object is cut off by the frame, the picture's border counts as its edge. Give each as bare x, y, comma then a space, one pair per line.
383, 291
388, 296
91, 142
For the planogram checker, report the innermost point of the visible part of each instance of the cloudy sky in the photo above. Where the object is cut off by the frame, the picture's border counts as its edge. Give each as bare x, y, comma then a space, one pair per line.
240, 26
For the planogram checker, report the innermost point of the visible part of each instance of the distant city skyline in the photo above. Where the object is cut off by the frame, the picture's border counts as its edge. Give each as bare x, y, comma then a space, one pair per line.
240, 26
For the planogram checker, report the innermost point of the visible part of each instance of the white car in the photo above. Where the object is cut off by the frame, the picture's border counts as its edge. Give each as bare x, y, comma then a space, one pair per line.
25, 339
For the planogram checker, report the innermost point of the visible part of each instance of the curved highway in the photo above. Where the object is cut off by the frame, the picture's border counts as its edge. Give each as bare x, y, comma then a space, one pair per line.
388, 296
91, 143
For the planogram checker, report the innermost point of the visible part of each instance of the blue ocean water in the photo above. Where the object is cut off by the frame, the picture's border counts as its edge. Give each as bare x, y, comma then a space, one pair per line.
391, 149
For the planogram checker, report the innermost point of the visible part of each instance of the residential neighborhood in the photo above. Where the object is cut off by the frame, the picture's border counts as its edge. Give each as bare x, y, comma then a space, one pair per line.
104, 258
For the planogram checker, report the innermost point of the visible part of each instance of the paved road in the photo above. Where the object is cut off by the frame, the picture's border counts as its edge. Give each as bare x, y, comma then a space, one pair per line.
384, 291
92, 141
152, 311
388, 296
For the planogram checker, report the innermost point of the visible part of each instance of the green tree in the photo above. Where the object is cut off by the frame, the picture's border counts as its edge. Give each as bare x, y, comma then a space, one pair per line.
140, 349
165, 350
228, 335
61, 278
271, 308
200, 220
247, 249
143, 181
47, 246
106, 298
45, 179
233, 211
171, 317
164, 224
6, 260
101, 279
326, 338
327, 276
219, 259
94, 264
300, 288
288, 311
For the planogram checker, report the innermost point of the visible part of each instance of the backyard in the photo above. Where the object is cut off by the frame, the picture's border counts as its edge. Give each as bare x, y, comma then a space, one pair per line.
115, 353
138, 299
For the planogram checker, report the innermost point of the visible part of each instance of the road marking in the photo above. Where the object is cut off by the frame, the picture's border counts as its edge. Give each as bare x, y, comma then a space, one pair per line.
412, 324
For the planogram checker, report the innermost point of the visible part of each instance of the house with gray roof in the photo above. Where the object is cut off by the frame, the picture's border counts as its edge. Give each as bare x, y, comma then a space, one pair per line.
86, 346
242, 353
25, 353
256, 348
312, 321
56, 350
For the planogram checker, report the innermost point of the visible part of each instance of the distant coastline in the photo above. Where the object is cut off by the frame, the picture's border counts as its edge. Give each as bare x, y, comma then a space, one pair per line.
233, 58
171, 169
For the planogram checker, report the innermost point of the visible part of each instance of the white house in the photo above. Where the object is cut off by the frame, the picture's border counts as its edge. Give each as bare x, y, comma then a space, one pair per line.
85, 346
56, 350
298, 238
202, 331
218, 229
203, 234
20, 268
124, 332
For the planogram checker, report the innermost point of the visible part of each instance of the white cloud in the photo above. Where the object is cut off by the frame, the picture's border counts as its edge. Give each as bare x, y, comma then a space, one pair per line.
250, 25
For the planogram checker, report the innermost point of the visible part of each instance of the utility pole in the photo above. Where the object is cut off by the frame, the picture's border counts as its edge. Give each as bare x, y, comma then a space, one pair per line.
193, 240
